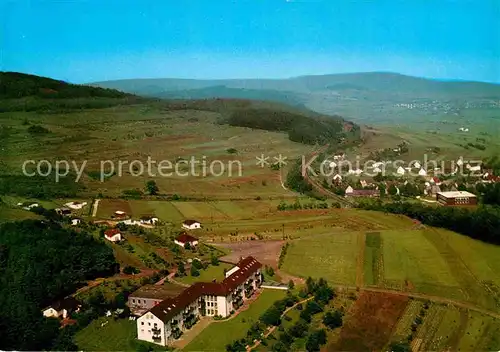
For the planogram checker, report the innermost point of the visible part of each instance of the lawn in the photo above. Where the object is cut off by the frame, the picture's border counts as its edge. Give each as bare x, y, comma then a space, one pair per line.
332, 257
207, 275
218, 334
119, 335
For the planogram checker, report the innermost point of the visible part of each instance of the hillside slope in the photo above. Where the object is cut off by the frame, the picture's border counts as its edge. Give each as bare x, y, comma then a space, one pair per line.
24, 92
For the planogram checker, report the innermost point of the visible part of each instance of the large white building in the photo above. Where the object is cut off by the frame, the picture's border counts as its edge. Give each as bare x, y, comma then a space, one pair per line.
166, 321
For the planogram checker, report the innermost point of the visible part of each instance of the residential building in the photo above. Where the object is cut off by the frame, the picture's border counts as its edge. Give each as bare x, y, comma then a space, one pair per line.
191, 224
400, 171
62, 309
184, 238
149, 296
76, 205
166, 321
148, 219
113, 235
456, 198
75, 221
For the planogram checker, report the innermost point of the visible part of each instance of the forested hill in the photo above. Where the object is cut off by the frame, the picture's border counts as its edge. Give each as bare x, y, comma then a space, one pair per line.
19, 91
301, 125
41, 262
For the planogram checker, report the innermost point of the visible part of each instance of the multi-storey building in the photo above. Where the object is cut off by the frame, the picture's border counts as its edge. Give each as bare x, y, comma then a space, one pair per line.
166, 321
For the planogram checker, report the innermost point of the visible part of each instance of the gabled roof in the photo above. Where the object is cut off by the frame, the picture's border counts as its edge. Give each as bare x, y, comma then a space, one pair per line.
190, 222
111, 232
185, 238
170, 307
68, 303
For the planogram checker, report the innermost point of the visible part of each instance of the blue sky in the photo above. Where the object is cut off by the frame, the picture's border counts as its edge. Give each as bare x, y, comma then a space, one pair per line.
86, 41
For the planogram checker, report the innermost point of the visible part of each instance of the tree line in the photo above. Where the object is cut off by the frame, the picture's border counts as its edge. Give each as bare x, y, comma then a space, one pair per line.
300, 128
482, 223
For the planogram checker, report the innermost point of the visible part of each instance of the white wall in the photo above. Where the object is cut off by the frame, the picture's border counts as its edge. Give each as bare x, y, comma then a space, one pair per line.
50, 312
144, 326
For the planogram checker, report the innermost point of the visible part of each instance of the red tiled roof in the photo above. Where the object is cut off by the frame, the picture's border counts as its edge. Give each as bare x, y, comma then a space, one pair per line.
185, 238
169, 308
111, 232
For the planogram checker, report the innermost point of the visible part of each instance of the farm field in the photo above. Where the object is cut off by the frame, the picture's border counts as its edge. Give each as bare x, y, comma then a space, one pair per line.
428, 261
218, 334
111, 139
330, 256
369, 324
445, 327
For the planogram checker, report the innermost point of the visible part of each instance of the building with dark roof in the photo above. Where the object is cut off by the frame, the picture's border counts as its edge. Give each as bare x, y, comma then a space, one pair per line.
148, 296
166, 321
185, 238
62, 308
191, 224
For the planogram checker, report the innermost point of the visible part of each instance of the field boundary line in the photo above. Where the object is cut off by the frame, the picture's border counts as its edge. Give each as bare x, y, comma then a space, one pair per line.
360, 267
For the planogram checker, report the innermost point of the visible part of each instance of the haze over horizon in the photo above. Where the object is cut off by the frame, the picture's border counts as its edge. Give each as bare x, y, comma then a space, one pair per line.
89, 41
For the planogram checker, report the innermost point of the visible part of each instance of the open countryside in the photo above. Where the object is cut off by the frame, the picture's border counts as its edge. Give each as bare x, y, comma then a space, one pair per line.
208, 178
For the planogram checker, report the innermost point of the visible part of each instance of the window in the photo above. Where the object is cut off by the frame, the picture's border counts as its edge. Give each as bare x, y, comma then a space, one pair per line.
149, 324
133, 301
142, 323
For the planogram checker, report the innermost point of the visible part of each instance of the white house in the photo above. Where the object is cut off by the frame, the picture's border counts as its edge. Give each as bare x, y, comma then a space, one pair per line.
363, 183
422, 172
460, 161
349, 190
400, 171
184, 239
332, 164
377, 170
165, 322
62, 309
149, 220
113, 235
75, 222
417, 165
337, 178
75, 205
28, 206
377, 164
191, 224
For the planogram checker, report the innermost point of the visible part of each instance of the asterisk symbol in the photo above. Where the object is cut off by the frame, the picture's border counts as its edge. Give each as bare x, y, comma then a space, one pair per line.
262, 160
280, 160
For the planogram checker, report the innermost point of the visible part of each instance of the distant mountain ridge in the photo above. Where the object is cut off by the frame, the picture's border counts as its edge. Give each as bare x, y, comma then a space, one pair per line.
386, 82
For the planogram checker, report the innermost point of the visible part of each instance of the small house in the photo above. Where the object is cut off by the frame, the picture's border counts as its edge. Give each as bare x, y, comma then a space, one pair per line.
422, 172
184, 239
191, 224
349, 190
75, 221
28, 206
400, 171
148, 219
113, 235
63, 211
62, 309
75, 205
337, 179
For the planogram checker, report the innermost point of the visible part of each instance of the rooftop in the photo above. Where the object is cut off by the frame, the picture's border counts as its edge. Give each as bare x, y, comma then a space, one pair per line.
164, 291
455, 194
190, 222
185, 238
169, 308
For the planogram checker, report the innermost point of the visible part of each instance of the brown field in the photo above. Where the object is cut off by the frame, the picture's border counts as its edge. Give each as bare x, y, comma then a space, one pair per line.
107, 207
370, 324
267, 252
